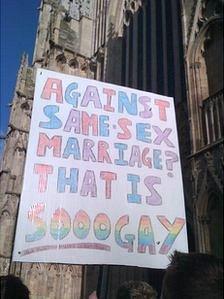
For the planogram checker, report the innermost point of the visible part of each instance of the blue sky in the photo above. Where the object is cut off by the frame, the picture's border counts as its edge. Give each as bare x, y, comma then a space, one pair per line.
18, 30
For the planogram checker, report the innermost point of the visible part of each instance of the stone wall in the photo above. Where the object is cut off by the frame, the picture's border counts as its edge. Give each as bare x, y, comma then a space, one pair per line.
203, 31
75, 38
64, 44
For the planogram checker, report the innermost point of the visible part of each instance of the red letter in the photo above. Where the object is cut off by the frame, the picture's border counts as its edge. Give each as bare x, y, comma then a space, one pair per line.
146, 161
109, 93
88, 121
53, 86
123, 123
162, 111
108, 177
102, 152
43, 170
44, 142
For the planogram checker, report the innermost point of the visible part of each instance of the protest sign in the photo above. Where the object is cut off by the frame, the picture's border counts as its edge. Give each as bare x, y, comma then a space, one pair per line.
102, 182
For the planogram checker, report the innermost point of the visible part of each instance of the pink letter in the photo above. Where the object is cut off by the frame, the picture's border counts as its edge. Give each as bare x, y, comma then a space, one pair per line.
43, 170
123, 123
102, 152
109, 93
44, 142
108, 177
162, 108
88, 121
53, 86
146, 161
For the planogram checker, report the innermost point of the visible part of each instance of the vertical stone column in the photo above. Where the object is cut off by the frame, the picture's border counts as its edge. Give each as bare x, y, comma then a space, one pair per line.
11, 172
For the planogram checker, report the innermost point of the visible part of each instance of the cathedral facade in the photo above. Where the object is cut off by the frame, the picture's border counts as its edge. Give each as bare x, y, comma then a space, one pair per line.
172, 48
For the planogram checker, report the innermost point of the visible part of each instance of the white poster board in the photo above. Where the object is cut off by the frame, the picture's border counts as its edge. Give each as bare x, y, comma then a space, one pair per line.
102, 182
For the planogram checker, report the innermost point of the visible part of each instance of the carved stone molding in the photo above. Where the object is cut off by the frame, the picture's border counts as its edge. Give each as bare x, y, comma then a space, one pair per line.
61, 58
56, 280
213, 170
100, 54
206, 40
73, 63
84, 66
8, 215
130, 7
4, 266
93, 64
191, 22
9, 207
207, 10
199, 173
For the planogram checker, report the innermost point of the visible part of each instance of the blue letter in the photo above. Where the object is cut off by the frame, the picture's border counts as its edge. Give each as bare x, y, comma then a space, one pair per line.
134, 197
142, 134
72, 148
72, 180
121, 147
71, 96
123, 101
157, 159
104, 131
55, 122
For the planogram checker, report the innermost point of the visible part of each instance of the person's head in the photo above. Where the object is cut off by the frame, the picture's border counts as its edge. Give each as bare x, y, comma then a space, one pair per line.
136, 290
13, 288
194, 276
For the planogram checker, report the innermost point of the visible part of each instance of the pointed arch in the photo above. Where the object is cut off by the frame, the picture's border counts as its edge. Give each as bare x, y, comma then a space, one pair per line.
199, 81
